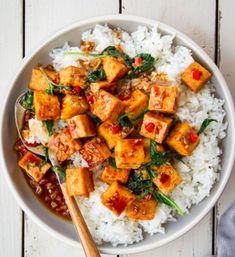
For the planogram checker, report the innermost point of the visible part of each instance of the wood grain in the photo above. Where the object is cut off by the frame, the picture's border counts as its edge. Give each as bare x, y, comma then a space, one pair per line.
184, 16
226, 62
11, 55
43, 18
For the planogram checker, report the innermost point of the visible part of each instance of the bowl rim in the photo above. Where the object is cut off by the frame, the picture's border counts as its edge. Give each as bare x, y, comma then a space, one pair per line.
195, 48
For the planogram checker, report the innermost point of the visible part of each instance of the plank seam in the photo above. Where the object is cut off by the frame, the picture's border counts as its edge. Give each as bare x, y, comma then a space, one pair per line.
217, 61
120, 6
23, 55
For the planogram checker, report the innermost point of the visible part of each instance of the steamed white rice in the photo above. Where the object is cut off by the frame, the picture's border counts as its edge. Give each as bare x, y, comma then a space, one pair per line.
199, 171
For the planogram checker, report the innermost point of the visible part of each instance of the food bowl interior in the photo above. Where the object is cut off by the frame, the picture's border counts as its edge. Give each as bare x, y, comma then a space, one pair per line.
23, 193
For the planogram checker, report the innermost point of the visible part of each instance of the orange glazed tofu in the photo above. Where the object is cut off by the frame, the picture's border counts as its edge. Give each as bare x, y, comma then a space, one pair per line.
195, 76
112, 132
96, 86
47, 107
73, 76
163, 99
141, 209
95, 152
111, 174
183, 139
136, 104
81, 126
167, 178
79, 182
34, 166
106, 106
129, 153
155, 126
73, 105
114, 68
63, 145
116, 198
40, 76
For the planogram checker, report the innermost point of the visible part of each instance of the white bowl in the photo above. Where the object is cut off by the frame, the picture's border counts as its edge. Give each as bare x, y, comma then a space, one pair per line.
15, 179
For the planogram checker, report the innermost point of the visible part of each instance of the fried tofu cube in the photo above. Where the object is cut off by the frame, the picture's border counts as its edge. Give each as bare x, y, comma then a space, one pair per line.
155, 126
195, 76
112, 132
106, 106
183, 139
114, 68
96, 86
79, 181
141, 209
136, 104
116, 198
129, 153
163, 99
111, 174
95, 152
47, 107
81, 126
34, 166
73, 76
167, 178
73, 105
63, 145
39, 78
159, 148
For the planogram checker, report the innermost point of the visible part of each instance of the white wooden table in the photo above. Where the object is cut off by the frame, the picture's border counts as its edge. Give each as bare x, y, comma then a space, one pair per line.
24, 23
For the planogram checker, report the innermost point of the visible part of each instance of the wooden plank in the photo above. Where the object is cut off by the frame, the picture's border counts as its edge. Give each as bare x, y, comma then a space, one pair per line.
47, 16
11, 55
201, 28
226, 62
42, 19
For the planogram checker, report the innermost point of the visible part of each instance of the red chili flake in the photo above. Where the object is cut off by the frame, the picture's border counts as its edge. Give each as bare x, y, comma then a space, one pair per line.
90, 99
138, 61
164, 178
150, 127
123, 97
148, 197
32, 144
77, 89
193, 138
116, 128
196, 74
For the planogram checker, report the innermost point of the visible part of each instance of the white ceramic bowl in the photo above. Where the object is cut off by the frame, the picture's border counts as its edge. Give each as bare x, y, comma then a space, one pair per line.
56, 226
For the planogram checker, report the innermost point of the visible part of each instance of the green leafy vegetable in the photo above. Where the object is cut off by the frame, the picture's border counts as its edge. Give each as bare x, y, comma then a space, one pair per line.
139, 115
152, 174
59, 170
205, 124
147, 65
27, 101
46, 157
142, 188
113, 51
96, 75
138, 185
112, 162
158, 158
95, 119
125, 121
162, 198
49, 126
